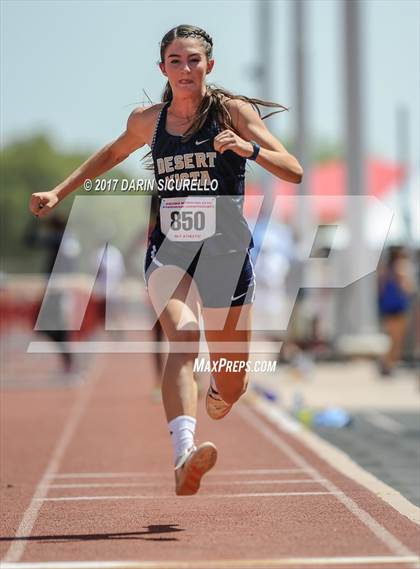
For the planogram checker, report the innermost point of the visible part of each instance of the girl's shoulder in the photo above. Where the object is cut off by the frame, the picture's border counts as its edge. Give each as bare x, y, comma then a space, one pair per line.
237, 103
239, 110
143, 120
146, 114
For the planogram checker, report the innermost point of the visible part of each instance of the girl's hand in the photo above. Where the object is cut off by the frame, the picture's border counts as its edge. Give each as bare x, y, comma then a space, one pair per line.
228, 140
42, 203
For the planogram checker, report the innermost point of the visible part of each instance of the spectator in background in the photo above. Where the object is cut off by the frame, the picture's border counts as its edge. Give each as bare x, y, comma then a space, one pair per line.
274, 257
395, 287
105, 301
51, 237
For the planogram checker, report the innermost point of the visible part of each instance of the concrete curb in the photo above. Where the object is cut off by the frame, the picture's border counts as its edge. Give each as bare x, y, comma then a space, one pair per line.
334, 457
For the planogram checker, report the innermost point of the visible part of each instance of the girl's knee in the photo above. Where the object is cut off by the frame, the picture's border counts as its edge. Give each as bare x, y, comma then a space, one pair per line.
185, 342
178, 360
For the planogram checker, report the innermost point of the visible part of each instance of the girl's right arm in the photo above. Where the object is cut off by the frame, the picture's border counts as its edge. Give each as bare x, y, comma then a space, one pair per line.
134, 137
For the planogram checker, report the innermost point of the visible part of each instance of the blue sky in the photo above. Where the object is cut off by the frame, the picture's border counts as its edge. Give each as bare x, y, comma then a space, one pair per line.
77, 68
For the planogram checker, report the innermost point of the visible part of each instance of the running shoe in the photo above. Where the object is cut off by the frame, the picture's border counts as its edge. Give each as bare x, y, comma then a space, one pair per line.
191, 467
215, 406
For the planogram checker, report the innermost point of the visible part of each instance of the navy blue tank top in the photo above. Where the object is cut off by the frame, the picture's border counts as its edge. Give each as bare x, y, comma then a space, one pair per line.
194, 168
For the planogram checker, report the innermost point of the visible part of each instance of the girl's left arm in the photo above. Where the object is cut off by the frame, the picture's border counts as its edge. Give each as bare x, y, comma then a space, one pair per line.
272, 155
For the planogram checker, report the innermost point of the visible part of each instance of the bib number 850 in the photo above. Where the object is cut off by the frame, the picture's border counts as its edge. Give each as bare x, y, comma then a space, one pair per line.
187, 220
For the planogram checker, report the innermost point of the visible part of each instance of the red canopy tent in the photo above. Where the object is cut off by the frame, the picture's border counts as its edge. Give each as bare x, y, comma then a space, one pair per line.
328, 180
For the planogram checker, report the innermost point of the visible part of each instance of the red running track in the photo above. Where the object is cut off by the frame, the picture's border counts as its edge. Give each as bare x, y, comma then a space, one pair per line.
87, 478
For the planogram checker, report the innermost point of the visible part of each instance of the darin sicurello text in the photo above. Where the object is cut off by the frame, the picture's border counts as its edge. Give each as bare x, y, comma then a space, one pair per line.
173, 184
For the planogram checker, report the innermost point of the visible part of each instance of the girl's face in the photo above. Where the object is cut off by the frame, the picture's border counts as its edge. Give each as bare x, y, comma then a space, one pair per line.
186, 65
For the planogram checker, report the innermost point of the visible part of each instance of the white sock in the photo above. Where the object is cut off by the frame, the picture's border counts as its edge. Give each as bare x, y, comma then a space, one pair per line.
182, 430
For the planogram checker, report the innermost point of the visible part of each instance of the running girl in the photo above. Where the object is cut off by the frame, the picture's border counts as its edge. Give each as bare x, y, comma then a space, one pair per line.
197, 262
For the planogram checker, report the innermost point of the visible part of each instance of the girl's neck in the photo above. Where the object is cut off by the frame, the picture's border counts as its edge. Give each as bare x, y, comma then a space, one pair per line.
185, 107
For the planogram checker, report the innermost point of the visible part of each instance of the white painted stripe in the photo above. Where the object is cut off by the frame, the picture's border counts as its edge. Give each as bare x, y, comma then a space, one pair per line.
17, 548
277, 416
384, 422
170, 474
259, 471
172, 496
208, 483
222, 564
82, 475
387, 538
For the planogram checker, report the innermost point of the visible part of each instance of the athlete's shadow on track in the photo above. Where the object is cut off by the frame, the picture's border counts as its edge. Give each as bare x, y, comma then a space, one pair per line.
151, 530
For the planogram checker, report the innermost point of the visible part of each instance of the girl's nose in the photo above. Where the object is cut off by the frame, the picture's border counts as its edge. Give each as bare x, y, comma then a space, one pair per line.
186, 67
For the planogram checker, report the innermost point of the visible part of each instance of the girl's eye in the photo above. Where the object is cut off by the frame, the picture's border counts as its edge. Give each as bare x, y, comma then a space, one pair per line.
177, 61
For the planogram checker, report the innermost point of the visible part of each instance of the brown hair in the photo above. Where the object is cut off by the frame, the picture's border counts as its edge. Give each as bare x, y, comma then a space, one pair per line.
215, 98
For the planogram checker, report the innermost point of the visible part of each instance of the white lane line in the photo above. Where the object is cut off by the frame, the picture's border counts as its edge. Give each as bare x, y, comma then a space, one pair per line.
169, 474
172, 496
208, 483
387, 538
17, 548
223, 564
278, 416
384, 422
259, 471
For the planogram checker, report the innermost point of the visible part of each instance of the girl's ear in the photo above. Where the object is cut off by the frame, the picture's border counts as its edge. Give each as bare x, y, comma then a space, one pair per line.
162, 68
210, 65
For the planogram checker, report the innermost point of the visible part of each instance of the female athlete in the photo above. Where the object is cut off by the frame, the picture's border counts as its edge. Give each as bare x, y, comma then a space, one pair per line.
197, 263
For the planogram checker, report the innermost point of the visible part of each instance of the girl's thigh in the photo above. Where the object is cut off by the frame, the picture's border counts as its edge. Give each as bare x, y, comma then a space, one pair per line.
176, 301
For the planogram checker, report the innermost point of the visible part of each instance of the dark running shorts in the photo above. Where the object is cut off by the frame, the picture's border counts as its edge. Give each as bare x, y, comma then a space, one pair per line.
222, 280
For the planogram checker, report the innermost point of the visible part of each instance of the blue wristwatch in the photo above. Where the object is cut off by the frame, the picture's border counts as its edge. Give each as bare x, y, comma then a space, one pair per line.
256, 148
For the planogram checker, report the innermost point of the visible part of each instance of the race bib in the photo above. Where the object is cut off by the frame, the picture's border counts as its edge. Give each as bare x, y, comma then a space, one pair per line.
191, 218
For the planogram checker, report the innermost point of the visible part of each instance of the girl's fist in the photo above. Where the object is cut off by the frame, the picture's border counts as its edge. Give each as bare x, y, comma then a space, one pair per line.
42, 203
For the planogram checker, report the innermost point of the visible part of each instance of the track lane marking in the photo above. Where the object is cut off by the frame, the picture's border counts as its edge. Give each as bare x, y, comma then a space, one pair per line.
167, 474
17, 548
386, 537
208, 483
172, 496
224, 564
